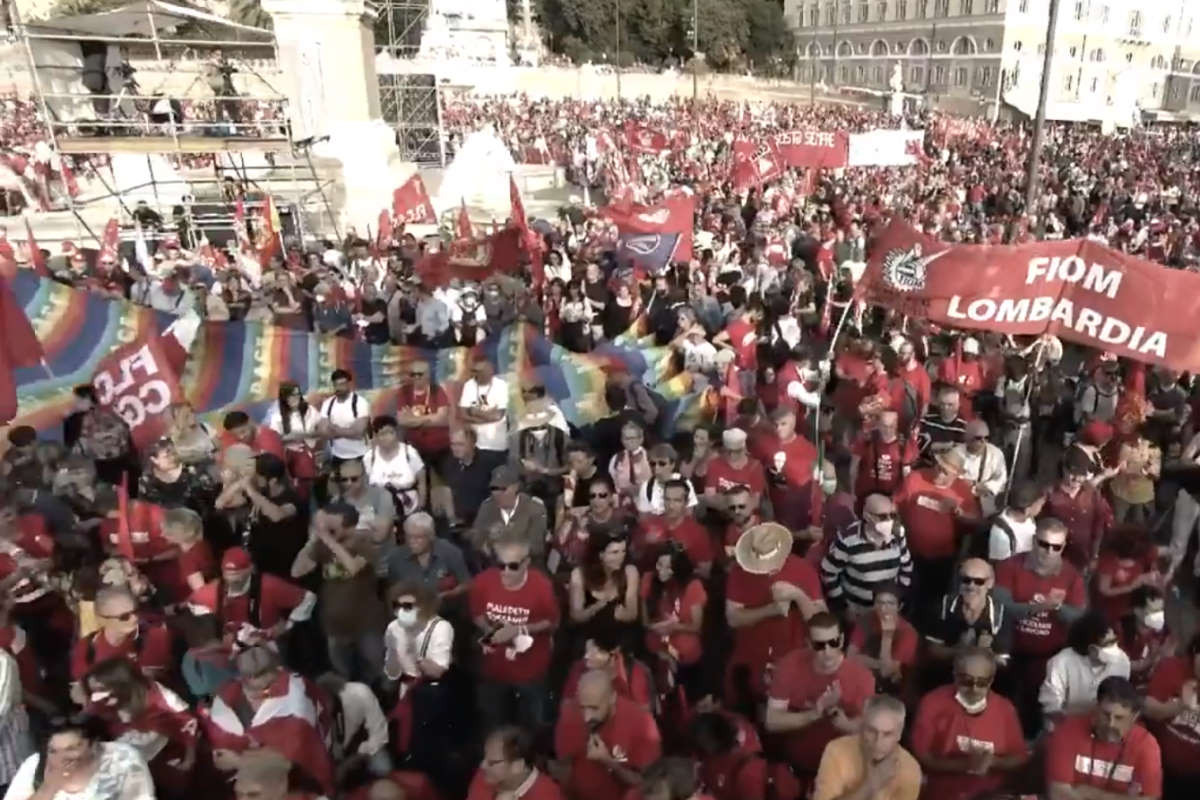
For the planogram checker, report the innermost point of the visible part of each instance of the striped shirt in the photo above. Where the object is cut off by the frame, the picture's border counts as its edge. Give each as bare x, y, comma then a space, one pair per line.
935, 430
854, 565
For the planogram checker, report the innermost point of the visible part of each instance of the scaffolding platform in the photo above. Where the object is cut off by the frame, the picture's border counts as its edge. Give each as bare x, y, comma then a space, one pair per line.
169, 144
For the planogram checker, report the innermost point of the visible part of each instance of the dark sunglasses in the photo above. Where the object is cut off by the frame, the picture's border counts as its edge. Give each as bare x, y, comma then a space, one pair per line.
824, 644
598, 495
971, 580
417, 374
971, 681
738, 506
1051, 546
126, 617
404, 605
512, 566
882, 516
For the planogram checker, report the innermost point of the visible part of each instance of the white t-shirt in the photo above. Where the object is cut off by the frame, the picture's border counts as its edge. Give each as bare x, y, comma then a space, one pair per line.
398, 472
403, 647
1001, 547
298, 422
122, 775
344, 412
488, 435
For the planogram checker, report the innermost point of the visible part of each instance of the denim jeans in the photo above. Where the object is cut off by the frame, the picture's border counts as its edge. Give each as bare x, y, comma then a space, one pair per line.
526, 705
357, 658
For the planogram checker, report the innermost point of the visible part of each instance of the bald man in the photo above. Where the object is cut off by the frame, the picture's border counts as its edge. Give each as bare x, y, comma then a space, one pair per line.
263, 775
603, 741
971, 616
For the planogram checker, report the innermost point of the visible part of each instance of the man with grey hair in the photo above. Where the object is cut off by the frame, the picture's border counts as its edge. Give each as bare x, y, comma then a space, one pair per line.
122, 634
428, 559
870, 764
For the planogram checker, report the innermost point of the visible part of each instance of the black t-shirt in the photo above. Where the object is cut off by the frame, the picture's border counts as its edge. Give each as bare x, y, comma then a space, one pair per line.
273, 545
376, 332
469, 486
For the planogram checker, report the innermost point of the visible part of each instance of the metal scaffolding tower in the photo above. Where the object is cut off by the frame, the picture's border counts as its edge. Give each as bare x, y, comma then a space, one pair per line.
399, 25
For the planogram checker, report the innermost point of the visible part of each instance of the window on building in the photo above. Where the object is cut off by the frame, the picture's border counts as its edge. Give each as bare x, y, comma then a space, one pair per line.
960, 76
1097, 55
1167, 24
1017, 46
1154, 90
941, 8
814, 16
1078, 9
1074, 51
1158, 63
966, 7
919, 47
1135, 23
1175, 91
1129, 58
843, 73
939, 75
916, 76
860, 72
989, 45
829, 18
1023, 7
902, 9
1194, 95
846, 14
922, 9
991, 7
1103, 15
881, 12
863, 12
941, 46
1095, 85
877, 74
985, 76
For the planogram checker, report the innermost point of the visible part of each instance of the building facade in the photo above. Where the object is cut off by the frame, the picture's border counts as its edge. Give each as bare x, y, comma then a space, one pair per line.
1113, 59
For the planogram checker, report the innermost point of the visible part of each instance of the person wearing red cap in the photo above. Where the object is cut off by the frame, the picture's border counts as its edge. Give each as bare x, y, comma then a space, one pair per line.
252, 607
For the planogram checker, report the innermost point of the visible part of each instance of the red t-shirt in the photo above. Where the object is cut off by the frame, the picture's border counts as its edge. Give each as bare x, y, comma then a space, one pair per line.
722, 475
629, 733
631, 681
796, 682
1087, 516
196, 560
542, 788
880, 467
740, 774
1123, 571
430, 439
682, 606
773, 637
167, 718
1179, 736
943, 729
276, 600
905, 639
1076, 758
967, 377
795, 498
145, 532
744, 340
148, 648
855, 383
1042, 634
654, 530
927, 511
533, 602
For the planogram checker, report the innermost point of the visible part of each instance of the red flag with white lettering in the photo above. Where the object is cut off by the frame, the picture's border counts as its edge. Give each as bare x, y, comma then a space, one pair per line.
755, 163
411, 203
643, 139
811, 148
139, 383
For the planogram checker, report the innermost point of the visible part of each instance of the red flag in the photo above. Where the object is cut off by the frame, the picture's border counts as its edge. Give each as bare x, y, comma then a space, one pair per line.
239, 226
19, 347
383, 240
530, 239
642, 139
110, 241
68, 178
37, 259
674, 214
411, 203
139, 383
755, 164
268, 233
124, 537
518, 208
463, 231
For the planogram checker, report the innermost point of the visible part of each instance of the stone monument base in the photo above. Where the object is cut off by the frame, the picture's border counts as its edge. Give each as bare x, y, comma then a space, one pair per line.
370, 169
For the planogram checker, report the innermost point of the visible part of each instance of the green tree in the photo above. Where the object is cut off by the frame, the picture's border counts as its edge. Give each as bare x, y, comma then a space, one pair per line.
769, 35
724, 30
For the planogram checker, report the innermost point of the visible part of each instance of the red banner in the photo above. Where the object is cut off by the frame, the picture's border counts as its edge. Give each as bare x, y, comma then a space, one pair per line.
138, 382
642, 139
1076, 289
754, 164
110, 242
411, 204
808, 148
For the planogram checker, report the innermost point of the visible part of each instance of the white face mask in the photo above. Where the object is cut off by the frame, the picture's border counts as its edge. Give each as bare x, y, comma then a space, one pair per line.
971, 708
406, 616
1156, 620
884, 528
829, 486
1109, 654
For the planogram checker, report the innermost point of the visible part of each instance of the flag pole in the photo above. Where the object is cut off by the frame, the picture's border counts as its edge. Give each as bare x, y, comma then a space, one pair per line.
829, 358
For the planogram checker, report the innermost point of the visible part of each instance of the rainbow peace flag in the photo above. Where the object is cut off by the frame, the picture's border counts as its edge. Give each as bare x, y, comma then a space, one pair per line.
240, 365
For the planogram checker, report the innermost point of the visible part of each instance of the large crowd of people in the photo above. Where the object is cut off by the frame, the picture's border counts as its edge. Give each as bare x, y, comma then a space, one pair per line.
907, 563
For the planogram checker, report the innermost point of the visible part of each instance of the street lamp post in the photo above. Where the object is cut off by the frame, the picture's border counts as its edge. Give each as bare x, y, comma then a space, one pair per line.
618, 59
695, 51
1039, 125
